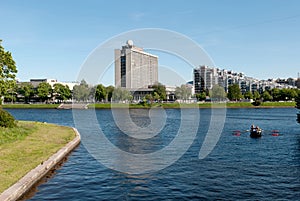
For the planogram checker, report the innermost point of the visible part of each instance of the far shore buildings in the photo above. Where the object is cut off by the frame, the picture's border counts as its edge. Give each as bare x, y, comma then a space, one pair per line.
135, 70
206, 77
52, 82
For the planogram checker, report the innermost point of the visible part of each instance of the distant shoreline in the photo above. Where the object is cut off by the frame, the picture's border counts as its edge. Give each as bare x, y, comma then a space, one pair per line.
158, 105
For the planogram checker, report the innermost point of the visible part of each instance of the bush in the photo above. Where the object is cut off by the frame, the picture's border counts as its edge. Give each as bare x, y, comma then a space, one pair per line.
6, 119
256, 103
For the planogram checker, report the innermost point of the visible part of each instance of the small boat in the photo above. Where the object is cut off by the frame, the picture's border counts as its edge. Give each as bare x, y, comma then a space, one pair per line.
255, 132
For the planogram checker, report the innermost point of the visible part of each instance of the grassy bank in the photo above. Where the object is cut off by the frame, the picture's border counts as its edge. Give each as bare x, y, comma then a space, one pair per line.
164, 105
195, 105
30, 106
26, 146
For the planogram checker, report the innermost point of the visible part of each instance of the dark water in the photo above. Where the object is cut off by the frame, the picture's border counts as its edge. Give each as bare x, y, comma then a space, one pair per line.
238, 168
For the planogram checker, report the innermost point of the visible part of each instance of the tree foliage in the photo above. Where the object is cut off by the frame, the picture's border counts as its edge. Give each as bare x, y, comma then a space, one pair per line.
234, 92
266, 96
26, 90
8, 71
6, 119
183, 92
248, 95
121, 94
256, 95
160, 90
62, 92
100, 94
217, 93
44, 91
81, 92
109, 92
201, 96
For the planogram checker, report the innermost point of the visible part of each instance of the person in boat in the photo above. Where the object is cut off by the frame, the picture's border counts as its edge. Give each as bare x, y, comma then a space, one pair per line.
253, 128
258, 129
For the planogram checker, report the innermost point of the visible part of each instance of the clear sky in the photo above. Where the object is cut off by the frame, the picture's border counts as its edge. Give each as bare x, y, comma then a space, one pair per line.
52, 38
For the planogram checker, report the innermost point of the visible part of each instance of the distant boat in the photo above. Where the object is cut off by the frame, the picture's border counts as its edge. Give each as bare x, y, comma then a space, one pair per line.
255, 132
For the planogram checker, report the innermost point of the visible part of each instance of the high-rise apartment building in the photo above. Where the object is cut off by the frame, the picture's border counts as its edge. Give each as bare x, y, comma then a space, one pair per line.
135, 68
205, 78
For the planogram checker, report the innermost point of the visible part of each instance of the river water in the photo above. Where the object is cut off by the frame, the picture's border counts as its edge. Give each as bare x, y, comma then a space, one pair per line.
238, 168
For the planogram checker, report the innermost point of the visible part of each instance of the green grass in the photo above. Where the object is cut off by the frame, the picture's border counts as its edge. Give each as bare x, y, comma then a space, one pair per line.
30, 106
279, 104
26, 146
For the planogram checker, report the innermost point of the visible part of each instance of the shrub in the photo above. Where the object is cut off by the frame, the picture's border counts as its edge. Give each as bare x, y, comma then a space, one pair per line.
256, 103
6, 119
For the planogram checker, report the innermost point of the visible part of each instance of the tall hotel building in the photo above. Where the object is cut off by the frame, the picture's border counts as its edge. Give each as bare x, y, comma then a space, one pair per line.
134, 68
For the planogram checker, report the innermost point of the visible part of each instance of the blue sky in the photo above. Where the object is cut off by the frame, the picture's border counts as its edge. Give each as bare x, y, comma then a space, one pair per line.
52, 39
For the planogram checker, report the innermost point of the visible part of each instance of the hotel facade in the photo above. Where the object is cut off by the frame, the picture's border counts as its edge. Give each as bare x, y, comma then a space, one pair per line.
135, 68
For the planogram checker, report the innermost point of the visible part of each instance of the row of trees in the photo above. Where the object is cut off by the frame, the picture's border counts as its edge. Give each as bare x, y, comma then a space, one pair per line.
83, 92
234, 94
43, 92
26, 92
275, 94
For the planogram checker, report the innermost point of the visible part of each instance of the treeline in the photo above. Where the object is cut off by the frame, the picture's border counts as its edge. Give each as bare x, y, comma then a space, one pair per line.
26, 92
235, 94
44, 92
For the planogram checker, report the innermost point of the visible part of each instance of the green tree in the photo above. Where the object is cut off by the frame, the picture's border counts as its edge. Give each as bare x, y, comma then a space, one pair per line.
183, 92
291, 94
256, 95
8, 72
275, 93
44, 91
287, 94
248, 95
26, 90
121, 94
201, 96
148, 98
62, 92
266, 96
156, 96
160, 90
100, 94
81, 92
217, 93
234, 92
109, 92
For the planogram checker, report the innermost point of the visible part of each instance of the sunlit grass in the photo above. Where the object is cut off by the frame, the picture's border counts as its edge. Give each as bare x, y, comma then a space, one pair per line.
26, 146
30, 106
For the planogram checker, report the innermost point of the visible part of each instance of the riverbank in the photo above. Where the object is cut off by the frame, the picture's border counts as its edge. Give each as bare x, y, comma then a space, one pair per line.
145, 106
194, 105
31, 149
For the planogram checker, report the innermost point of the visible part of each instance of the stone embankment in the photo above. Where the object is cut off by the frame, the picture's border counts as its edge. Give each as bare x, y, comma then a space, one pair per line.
17, 190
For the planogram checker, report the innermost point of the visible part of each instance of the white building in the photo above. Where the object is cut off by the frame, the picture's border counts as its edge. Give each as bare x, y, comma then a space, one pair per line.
135, 68
52, 82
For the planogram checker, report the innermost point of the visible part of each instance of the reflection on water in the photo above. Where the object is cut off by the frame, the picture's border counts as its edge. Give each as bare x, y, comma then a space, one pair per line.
298, 117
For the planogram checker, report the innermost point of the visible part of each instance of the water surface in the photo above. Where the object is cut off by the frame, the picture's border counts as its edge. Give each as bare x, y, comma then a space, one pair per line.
238, 168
